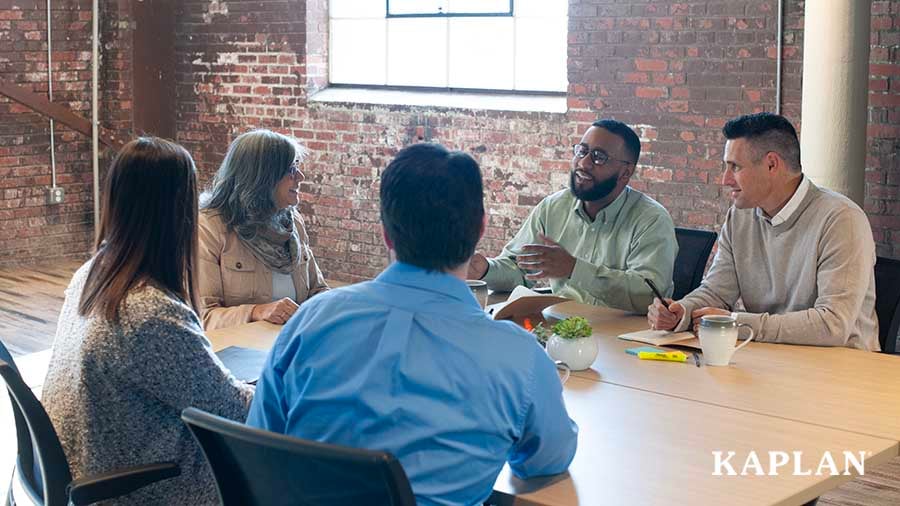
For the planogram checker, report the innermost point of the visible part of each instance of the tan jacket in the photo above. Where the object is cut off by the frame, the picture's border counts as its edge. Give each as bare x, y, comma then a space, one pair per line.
232, 280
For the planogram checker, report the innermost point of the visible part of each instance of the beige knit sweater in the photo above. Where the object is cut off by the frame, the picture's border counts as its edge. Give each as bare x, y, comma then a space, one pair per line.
809, 280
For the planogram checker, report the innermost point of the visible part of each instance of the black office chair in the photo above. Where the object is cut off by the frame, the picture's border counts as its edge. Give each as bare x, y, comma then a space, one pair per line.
887, 302
254, 467
693, 252
42, 468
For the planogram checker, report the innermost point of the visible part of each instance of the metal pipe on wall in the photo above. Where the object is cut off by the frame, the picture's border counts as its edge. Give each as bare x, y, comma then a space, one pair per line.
95, 125
778, 58
50, 95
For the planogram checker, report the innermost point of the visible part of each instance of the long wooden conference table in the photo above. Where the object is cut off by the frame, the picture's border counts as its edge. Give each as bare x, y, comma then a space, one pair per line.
649, 430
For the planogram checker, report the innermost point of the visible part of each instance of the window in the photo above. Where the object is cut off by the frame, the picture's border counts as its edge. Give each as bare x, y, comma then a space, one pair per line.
410, 8
469, 44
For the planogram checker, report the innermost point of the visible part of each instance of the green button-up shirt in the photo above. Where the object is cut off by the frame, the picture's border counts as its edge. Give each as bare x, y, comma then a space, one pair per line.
632, 238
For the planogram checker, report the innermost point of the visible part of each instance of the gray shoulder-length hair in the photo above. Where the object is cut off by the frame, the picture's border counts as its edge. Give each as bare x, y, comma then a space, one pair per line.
244, 186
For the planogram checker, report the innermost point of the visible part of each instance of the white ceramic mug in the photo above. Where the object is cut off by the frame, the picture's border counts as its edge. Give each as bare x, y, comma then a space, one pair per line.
718, 335
479, 290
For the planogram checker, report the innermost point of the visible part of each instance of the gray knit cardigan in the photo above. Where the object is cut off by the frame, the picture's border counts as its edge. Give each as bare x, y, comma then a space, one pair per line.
115, 391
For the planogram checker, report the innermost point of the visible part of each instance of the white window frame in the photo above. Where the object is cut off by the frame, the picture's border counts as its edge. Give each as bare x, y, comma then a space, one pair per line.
449, 12
558, 90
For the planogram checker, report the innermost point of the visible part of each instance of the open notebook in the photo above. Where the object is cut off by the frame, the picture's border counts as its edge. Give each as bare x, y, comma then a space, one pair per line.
663, 338
522, 302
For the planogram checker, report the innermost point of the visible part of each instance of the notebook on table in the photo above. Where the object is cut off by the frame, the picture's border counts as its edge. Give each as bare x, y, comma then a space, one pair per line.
523, 302
245, 363
663, 338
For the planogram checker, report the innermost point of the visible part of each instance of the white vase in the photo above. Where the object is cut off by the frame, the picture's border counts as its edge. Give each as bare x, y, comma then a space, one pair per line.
578, 353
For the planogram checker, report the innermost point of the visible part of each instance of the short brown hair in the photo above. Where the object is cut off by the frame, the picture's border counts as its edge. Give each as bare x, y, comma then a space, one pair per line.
432, 206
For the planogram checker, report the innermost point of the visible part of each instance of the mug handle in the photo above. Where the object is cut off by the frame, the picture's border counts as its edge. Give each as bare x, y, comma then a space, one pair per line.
560, 365
747, 341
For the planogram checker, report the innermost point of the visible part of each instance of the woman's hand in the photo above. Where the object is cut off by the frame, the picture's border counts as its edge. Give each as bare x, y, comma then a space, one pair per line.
277, 312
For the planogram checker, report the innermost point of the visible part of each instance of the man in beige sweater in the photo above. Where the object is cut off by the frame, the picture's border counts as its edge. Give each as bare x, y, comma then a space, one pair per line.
800, 257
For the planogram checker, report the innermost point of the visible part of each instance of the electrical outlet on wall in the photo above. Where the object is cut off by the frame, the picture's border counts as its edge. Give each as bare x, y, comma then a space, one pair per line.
55, 195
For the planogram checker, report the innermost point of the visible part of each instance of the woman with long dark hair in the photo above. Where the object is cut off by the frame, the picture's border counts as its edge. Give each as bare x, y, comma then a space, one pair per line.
255, 259
130, 353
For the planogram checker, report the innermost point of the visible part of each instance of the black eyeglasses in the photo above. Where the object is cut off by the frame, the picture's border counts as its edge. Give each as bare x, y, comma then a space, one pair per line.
598, 156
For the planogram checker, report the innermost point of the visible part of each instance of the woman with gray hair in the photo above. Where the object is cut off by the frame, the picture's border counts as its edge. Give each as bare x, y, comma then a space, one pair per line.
255, 260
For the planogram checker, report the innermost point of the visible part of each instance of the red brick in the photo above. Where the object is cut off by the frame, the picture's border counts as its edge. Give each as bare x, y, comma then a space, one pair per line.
651, 92
883, 99
645, 65
635, 77
883, 69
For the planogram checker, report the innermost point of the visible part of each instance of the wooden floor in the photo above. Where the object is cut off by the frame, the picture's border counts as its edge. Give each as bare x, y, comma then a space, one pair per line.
879, 487
31, 298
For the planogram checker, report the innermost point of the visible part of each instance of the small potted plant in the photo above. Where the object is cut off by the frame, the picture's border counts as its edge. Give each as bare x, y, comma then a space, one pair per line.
570, 341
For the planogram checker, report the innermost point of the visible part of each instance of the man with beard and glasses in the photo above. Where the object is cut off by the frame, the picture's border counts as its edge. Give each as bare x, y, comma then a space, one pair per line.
596, 240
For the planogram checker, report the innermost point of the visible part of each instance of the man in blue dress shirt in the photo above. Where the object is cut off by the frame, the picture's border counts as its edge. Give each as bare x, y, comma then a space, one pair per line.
409, 362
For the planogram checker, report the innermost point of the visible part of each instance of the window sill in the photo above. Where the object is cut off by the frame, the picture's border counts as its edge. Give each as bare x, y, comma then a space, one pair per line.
454, 100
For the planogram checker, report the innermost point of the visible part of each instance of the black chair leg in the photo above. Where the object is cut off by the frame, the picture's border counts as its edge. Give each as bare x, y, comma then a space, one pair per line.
812, 503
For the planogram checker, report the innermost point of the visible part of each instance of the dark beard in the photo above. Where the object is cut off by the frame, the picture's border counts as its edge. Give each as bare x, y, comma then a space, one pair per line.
596, 192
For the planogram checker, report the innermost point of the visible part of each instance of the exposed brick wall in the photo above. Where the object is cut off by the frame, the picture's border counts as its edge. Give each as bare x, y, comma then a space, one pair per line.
678, 71
883, 136
30, 230
675, 70
240, 65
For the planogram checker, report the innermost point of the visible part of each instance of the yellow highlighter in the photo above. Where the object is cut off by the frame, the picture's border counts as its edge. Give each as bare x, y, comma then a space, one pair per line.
671, 356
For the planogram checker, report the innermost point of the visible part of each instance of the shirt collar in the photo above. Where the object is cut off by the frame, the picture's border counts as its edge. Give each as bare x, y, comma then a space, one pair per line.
399, 273
606, 214
791, 207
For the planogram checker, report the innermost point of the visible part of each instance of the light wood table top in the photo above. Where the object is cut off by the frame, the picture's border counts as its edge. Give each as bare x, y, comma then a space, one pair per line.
638, 447
841, 388
260, 335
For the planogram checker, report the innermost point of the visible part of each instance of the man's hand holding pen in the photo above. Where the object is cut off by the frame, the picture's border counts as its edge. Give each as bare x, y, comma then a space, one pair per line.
663, 314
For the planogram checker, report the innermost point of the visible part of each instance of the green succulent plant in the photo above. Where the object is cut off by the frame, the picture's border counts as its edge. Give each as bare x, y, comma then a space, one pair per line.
542, 333
573, 328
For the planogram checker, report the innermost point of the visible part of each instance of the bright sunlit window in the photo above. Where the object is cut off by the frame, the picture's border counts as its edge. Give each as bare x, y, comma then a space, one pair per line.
450, 44
449, 7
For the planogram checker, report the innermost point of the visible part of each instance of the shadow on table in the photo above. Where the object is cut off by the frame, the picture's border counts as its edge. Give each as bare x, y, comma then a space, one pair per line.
519, 487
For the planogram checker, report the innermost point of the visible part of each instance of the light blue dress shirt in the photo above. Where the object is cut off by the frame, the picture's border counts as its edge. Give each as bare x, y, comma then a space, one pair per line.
409, 363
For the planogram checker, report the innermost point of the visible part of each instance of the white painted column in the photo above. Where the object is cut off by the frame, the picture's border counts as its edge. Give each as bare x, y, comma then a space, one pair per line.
835, 94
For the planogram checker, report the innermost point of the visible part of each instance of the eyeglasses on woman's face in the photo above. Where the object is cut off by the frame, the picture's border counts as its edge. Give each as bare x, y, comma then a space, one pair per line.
295, 173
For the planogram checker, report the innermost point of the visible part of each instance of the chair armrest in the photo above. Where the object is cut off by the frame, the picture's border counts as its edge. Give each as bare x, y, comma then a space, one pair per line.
100, 487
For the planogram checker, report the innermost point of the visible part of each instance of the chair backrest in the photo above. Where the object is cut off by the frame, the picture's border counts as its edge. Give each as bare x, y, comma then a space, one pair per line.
256, 467
693, 252
29, 473
36, 435
887, 302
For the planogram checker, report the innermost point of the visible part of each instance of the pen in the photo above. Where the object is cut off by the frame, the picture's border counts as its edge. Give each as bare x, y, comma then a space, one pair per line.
655, 291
